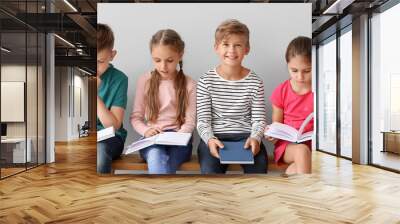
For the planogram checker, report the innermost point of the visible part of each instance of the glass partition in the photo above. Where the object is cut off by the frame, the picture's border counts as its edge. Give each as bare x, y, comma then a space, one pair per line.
22, 64
346, 93
385, 89
327, 96
13, 98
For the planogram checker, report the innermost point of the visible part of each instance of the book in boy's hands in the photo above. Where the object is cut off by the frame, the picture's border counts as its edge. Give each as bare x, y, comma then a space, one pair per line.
165, 138
234, 152
105, 133
288, 133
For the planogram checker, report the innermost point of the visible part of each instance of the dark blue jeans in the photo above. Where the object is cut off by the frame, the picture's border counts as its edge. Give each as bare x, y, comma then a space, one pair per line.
211, 165
107, 151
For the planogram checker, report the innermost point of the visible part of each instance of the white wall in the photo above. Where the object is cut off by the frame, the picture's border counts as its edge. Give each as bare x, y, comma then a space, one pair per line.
61, 103
272, 27
14, 72
33, 126
13, 75
17, 73
68, 82
80, 84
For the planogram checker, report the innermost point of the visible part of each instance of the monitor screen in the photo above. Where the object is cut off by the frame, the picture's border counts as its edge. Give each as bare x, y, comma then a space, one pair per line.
3, 129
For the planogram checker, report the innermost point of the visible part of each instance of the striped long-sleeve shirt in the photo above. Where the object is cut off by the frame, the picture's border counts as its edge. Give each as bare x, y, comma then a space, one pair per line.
225, 106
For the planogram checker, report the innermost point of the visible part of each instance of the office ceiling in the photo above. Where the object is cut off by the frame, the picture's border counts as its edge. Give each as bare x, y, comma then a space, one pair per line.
75, 21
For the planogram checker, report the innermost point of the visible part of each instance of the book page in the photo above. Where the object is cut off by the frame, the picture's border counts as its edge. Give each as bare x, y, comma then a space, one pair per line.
105, 133
173, 138
141, 144
282, 131
305, 122
306, 136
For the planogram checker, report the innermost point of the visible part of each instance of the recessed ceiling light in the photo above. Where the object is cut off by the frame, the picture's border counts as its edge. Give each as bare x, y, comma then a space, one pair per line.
5, 50
70, 5
64, 40
338, 6
84, 71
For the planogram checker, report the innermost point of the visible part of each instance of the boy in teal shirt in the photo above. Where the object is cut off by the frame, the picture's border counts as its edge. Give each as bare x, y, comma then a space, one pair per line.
112, 87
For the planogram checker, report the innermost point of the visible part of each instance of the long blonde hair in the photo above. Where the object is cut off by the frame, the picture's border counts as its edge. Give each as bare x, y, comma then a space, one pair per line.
170, 38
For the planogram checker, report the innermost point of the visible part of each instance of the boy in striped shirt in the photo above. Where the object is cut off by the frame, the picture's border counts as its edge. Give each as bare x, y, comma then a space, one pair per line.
230, 103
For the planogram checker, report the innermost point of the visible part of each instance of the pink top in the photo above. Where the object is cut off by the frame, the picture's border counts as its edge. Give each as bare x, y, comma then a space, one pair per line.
167, 115
295, 107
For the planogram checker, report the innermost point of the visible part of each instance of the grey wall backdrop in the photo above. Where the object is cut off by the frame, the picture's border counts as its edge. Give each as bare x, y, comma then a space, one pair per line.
272, 27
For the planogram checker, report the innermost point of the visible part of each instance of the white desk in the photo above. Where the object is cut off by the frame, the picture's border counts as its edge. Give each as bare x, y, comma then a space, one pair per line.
19, 149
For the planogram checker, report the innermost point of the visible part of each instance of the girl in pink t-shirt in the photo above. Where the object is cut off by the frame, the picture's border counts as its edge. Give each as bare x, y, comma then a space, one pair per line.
292, 102
165, 100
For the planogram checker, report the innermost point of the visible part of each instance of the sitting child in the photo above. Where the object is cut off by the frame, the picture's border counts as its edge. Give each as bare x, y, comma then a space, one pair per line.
230, 103
165, 100
112, 87
292, 102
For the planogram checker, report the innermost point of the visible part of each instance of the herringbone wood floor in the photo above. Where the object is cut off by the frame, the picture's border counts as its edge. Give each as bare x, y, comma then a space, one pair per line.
70, 191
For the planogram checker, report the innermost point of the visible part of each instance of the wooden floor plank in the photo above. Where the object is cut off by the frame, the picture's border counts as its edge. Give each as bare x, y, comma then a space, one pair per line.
70, 191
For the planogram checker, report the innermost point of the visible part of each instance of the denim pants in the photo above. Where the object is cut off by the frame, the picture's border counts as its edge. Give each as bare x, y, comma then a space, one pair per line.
166, 159
107, 151
211, 165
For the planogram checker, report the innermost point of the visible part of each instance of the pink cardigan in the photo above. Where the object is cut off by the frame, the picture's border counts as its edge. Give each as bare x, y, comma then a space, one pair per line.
167, 115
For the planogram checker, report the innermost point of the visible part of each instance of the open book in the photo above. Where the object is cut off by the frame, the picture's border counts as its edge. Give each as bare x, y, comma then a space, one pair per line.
105, 133
165, 138
288, 133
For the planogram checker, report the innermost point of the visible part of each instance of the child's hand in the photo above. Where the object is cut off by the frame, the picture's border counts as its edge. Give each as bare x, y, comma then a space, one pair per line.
152, 131
214, 145
270, 139
253, 144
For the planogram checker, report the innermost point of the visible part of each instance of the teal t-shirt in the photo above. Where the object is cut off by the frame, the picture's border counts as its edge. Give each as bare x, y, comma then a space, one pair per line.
113, 91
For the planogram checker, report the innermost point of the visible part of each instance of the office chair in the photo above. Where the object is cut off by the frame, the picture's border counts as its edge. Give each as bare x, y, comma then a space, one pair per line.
84, 130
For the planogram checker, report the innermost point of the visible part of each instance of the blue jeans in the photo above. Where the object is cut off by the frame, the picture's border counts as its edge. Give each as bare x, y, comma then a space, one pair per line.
211, 165
107, 151
165, 159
